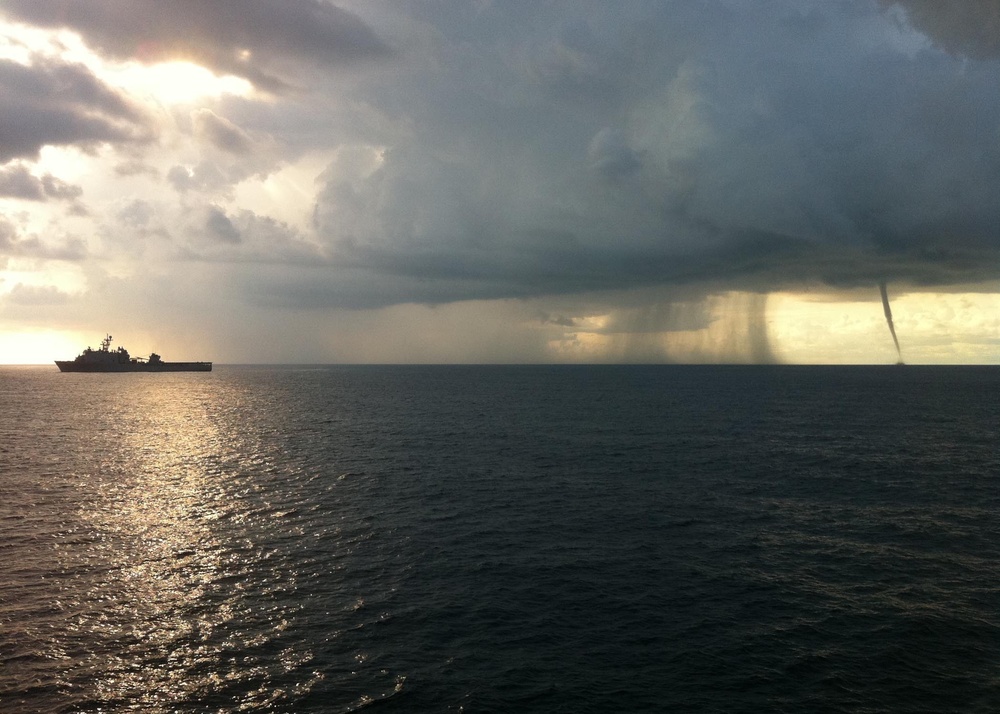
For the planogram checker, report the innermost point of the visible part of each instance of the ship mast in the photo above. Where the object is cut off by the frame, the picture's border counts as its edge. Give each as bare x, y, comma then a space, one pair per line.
106, 343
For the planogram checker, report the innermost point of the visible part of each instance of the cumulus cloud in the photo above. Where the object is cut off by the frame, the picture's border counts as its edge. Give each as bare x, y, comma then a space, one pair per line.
211, 176
8, 236
243, 236
204, 176
17, 181
254, 39
222, 156
137, 214
14, 244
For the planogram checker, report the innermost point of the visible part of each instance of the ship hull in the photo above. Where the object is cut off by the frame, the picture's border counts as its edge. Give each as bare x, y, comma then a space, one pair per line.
73, 366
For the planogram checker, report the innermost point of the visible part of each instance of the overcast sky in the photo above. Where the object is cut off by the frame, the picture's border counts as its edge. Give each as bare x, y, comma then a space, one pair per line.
526, 180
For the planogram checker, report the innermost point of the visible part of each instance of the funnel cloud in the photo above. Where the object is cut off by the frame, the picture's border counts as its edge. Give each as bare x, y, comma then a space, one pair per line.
888, 317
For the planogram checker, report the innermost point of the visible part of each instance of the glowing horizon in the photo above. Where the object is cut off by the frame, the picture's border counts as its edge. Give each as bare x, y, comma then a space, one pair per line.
798, 328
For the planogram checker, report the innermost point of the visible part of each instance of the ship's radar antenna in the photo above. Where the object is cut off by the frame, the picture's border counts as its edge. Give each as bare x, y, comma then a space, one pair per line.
106, 343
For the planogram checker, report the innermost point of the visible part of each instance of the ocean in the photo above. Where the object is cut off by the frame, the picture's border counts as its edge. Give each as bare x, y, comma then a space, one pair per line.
501, 539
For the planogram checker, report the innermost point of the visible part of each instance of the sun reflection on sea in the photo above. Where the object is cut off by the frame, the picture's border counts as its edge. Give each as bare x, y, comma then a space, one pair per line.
171, 609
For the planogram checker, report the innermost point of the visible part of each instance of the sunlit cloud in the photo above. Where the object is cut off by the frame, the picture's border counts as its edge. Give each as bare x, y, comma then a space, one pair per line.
167, 83
24, 44
172, 83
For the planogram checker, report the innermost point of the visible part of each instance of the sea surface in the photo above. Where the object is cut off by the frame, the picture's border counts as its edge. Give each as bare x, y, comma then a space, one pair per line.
501, 539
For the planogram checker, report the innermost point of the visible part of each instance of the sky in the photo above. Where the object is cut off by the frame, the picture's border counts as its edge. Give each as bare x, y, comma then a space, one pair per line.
387, 181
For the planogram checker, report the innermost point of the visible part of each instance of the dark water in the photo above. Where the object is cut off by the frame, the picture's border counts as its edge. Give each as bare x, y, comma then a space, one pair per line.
483, 539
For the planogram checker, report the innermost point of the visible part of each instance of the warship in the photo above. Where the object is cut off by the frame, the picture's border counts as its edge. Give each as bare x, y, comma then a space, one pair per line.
107, 360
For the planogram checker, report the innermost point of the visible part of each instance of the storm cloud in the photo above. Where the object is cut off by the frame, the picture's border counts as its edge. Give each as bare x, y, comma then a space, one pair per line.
969, 28
764, 145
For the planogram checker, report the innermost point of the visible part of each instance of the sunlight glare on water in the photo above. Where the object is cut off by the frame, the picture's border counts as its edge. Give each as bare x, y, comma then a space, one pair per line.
160, 600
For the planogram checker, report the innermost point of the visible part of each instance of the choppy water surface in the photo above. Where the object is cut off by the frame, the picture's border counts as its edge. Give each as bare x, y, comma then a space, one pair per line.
530, 539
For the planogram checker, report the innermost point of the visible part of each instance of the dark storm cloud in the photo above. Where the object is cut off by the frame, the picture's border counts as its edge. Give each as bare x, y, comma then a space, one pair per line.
969, 27
516, 149
54, 103
563, 147
248, 38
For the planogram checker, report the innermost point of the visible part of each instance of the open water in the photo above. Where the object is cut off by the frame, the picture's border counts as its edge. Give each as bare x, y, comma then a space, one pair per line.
501, 539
